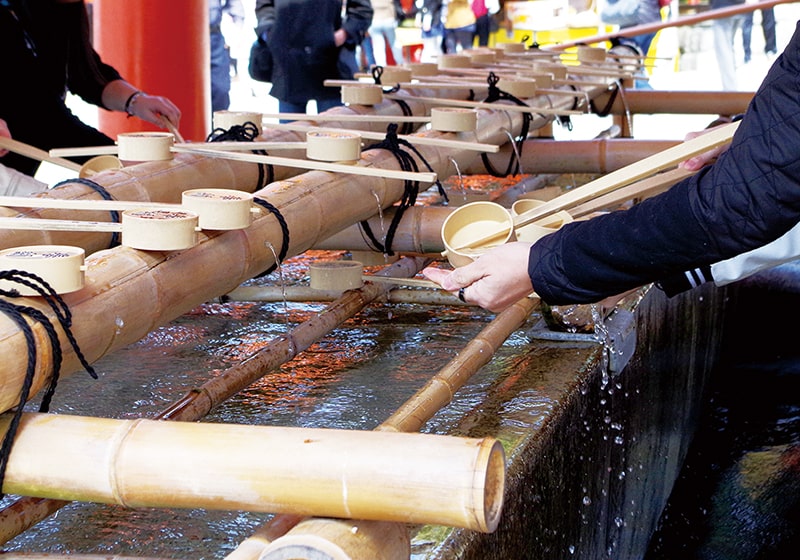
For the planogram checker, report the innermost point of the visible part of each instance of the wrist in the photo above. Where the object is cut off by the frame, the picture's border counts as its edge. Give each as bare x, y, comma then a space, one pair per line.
130, 102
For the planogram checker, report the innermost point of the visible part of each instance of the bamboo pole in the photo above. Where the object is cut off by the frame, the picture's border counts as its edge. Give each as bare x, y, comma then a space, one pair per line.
642, 189
305, 293
621, 177
311, 208
680, 102
410, 417
35, 153
164, 181
198, 402
677, 22
600, 155
455, 481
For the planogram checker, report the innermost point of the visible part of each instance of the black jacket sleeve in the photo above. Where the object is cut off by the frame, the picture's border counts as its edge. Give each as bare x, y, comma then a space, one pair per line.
748, 198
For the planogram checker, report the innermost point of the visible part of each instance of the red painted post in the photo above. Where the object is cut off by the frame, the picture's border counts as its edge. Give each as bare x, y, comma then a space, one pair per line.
162, 47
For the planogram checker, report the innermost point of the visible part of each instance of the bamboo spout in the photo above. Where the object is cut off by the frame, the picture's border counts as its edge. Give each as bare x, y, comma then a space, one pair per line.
331, 473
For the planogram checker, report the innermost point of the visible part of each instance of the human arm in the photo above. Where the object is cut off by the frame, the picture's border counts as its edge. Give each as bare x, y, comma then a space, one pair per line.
119, 95
749, 197
494, 281
4, 133
358, 17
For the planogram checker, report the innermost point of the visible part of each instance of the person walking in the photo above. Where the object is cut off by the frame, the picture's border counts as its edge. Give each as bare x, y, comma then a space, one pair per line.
383, 31
310, 41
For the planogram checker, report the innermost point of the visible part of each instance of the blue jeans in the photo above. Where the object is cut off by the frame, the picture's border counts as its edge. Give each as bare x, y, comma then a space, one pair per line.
220, 73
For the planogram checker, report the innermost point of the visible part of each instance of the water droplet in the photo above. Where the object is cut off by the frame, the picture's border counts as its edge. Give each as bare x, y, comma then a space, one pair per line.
571, 549
587, 500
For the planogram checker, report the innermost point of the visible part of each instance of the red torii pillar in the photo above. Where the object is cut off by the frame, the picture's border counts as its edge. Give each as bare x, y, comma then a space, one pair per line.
161, 47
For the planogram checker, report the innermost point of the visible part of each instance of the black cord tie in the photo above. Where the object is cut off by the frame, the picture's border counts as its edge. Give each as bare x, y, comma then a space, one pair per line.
411, 188
407, 127
17, 313
605, 111
99, 189
284, 229
246, 132
496, 94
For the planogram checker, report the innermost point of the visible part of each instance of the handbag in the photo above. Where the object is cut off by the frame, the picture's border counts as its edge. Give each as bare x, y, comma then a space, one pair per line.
624, 13
260, 64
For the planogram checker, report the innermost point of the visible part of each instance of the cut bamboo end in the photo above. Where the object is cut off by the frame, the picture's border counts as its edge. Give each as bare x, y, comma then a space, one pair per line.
145, 146
421, 69
219, 209
61, 266
454, 61
228, 119
518, 87
340, 539
453, 119
159, 230
512, 47
362, 94
416, 478
591, 54
323, 145
336, 275
395, 74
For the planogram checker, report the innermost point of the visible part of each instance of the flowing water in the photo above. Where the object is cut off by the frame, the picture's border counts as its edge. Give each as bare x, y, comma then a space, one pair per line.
352, 379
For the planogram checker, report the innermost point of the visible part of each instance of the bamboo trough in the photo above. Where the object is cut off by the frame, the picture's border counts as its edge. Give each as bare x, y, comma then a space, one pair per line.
238, 253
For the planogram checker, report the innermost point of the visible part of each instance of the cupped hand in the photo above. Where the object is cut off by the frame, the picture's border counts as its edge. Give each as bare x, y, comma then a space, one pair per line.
494, 281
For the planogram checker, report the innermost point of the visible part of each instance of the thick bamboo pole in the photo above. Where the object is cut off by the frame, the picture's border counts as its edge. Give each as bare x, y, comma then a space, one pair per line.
26, 512
410, 417
311, 208
679, 102
451, 481
164, 181
578, 156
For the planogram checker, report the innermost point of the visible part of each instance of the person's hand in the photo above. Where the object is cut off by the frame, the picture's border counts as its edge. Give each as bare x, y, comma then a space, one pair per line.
339, 37
5, 133
699, 161
494, 281
152, 108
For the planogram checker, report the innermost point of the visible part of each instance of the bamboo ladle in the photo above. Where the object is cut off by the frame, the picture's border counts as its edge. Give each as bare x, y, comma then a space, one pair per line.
617, 179
421, 140
35, 153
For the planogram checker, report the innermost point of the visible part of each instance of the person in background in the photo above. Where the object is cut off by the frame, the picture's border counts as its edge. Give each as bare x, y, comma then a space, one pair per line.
630, 13
484, 10
310, 42
383, 31
220, 58
12, 182
749, 197
47, 52
432, 29
459, 26
724, 34
767, 27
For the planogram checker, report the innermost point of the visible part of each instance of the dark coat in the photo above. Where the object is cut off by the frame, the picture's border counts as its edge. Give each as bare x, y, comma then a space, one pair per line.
299, 34
748, 198
45, 53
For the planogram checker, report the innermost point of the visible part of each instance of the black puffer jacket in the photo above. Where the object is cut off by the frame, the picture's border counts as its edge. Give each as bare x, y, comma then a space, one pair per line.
45, 53
749, 197
300, 38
